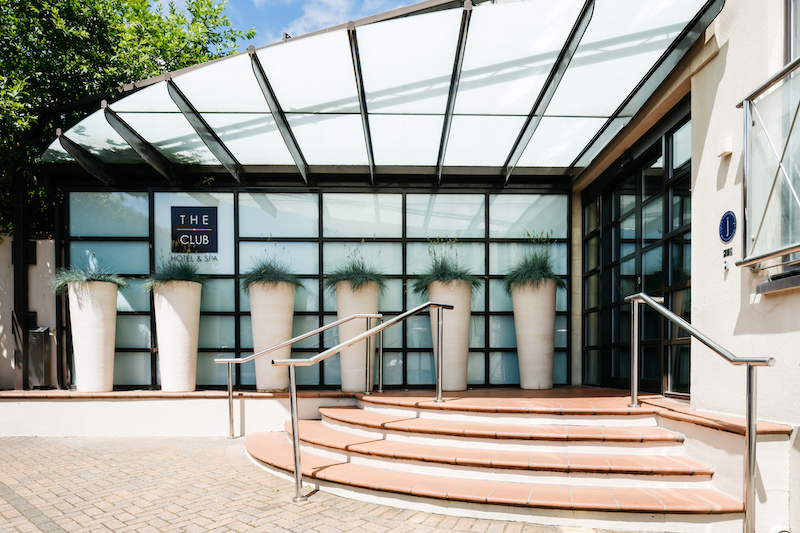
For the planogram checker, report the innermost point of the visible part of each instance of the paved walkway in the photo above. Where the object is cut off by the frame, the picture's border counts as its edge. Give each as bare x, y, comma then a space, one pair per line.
170, 484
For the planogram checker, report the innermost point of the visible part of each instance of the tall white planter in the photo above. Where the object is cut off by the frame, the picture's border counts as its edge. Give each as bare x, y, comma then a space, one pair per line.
177, 307
271, 313
455, 333
93, 318
353, 359
534, 320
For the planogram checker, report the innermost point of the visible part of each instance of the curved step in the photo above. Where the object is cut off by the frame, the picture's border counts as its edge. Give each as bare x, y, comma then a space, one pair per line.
314, 432
487, 430
274, 449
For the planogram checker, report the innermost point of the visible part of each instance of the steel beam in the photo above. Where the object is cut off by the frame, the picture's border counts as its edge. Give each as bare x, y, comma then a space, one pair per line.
549, 88
278, 114
362, 98
204, 131
455, 78
90, 162
146, 151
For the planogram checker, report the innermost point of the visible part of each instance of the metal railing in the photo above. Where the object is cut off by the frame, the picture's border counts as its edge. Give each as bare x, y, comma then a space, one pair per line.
750, 432
377, 330
230, 361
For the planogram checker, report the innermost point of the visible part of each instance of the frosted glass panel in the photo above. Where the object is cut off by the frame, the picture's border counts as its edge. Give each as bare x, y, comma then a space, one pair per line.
503, 256
421, 368
503, 368
419, 332
252, 138
391, 298
407, 140
232, 75
217, 332
499, 299
118, 257
209, 372
133, 298
98, 137
476, 369
132, 368
445, 215
482, 141
278, 215
108, 214
515, 216
407, 62
559, 140
218, 295
477, 332
384, 256
173, 136
392, 368
246, 333
362, 215
300, 257
502, 333
469, 255
330, 139
133, 332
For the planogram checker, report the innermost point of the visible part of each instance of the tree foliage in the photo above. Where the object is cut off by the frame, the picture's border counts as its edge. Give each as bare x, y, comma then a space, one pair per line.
58, 58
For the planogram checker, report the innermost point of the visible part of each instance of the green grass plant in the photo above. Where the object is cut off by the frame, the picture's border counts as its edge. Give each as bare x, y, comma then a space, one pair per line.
269, 270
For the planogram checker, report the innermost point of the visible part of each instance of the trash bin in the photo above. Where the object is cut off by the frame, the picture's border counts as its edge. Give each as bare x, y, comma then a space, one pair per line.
41, 371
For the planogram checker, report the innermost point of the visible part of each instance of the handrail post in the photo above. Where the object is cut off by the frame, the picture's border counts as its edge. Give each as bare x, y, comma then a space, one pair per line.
368, 343
298, 474
750, 435
380, 357
439, 356
230, 400
635, 354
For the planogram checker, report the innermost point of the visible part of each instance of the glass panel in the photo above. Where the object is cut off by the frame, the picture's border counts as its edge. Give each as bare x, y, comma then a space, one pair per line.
558, 141
516, 216
621, 315
624, 198
407, 140
621, 363
247, 373
605, 137
209, 372
593, 253
332, 370
421, 369
561, 331
592, 289
499, 299
681, 304
469, 255
133, 297
481, 141
392, 337
132, 368
392, 368
386, 257
404, 74
503, 256
652, 270
560, 364
419, 332
561, 300
592, 329
502, 333
476, 369
171, 134
591, 215
591, 361
681, 270
477, 332
652, 220
278, 215
682, 145
300, 257
304, 324
445, 215
252, 138
627, 228
391, 298
217, 332
625, 279
330, 139
308, 375
246, 333
109, 214
681, 204
653, 179
680, 374
651, 362
98, 137
133, 332
218, 295
503, 368
652, 323
118, 257
362, 215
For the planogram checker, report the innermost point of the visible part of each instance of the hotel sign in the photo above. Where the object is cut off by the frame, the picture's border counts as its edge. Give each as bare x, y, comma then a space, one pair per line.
194, 230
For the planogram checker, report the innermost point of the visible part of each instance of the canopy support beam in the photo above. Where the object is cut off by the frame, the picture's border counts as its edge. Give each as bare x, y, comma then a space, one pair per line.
455, 78
549, 88
204, 131
87, 160
278, 114
146, 151
362, 98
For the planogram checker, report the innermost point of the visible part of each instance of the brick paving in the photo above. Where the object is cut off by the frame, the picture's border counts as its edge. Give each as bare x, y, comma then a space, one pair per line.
99, 484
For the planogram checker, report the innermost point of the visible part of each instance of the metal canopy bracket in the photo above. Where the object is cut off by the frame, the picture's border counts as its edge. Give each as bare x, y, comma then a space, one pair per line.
87, 160
204, 131
362, 97
549, 88
146, 151
466, 15
278, 114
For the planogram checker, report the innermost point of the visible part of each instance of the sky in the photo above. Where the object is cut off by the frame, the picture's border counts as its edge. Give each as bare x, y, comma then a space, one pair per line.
272, 18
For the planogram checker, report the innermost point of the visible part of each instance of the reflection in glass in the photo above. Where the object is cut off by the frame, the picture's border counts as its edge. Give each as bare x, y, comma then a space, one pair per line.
393, 368
593, 253
278, 215
118, 257
90, 213
680, 368
592, 291
503, 368
682, 145
502, 333
362, 215
516, 216
681, 204
681, 259
445, 215
652, 220
624, 198
591, 215
133, 298
652, 270
681, 304
593, 329
653, 179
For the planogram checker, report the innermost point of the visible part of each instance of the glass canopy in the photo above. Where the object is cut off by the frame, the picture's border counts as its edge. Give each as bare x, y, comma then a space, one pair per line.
492, 89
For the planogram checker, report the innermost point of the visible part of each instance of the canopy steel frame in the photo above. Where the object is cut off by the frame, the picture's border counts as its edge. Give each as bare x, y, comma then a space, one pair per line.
455, 78
362, 97
278, 115
204, 131
146, 151
549, 88
87, 160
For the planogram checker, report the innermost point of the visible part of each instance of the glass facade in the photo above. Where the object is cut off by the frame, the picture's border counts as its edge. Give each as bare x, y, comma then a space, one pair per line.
312, 233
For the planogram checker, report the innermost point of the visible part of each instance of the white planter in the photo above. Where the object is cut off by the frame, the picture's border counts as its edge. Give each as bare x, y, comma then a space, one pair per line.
455, 333
353, 359
534, 320
272, 314
177, 307
93, 318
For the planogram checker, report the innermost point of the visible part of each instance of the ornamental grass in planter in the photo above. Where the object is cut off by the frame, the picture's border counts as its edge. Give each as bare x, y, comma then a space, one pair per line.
447, 282
532, 284
358, 287
271, 286
176, 287
93, 321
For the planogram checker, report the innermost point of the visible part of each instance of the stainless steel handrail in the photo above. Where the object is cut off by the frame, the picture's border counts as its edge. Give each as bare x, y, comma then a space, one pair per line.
292, 363
237, 361
750, 432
